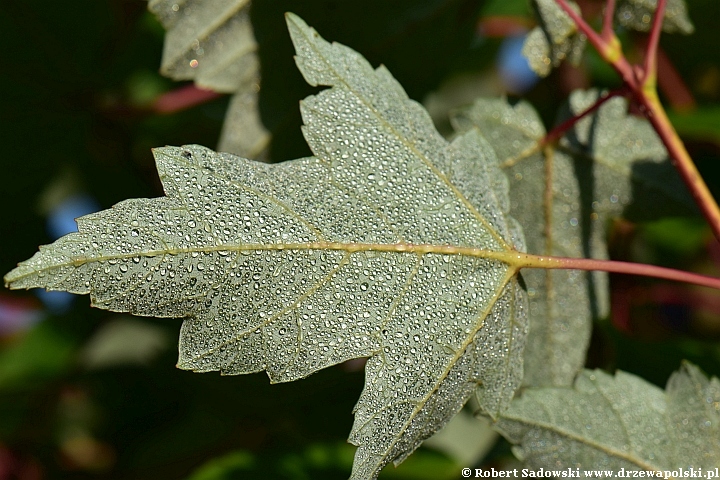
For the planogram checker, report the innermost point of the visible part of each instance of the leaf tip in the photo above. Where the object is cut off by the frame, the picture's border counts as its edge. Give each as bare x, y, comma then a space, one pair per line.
295, 24
12, 278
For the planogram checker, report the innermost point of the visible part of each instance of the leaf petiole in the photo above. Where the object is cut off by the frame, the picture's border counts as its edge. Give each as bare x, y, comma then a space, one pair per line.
608, 33
629, 268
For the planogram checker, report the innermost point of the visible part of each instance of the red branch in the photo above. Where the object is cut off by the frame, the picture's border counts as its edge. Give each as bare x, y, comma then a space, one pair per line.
183, 98
557, 132
607, 29
650, 64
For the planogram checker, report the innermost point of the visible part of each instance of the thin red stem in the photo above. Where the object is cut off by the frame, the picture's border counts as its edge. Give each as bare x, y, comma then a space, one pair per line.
644, 93
650, 65
630, 269
609, 50
557, 132
183, 98
607, 29
586, 29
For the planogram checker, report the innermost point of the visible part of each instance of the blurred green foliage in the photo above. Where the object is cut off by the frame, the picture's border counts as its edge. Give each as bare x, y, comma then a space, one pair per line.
79, 81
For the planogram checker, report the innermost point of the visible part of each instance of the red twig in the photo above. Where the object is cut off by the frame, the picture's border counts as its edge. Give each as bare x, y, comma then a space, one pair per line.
557, 132
672, 85
650, 64
609, 50
183, 98
669, 81
680, 157
644, 93
607, 28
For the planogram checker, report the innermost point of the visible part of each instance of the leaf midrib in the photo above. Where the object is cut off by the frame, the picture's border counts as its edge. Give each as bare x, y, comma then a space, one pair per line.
582, 440
512, 258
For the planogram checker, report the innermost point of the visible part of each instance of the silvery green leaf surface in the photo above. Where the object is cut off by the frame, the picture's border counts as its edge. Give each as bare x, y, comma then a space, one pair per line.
555, 39
638, 15
560, 309
607, 422
693, 411
605, 166
213, 43
387, 244
631, 172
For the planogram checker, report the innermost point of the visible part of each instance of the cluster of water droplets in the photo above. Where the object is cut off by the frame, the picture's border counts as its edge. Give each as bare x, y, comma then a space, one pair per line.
622, 421
638, 15
555, 40
383, 147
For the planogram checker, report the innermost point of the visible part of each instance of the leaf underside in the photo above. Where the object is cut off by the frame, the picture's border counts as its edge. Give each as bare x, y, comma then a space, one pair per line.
606, 163
609, 423
213, 43
555, 39
638, 14
294, 267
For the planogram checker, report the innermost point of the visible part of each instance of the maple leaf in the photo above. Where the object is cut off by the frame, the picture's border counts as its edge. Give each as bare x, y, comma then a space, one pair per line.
610, 423
638, 14
555, 39
213, 43
390, 243
605, 166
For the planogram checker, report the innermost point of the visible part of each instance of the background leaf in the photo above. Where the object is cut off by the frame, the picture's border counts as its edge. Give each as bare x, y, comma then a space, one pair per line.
213, 43
559, 301
609, 423
609, 164
235, 42
638, 14
554, 40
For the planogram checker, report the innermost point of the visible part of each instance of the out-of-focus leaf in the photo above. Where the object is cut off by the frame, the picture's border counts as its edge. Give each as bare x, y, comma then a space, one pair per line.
42, 354
243, 132
213, 43
391, 244
560, 309
124, 341
555, 39
608, 162
638, 15
224, 467
693, 411
609, 423
630, 170
261, 121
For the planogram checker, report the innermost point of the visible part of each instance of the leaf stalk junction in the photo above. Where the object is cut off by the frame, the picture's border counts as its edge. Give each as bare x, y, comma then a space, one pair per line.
640, 81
